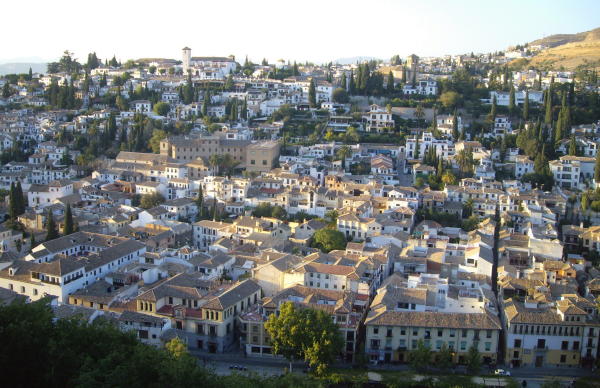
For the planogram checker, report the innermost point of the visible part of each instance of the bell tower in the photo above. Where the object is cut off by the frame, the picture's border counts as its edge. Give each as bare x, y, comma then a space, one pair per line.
187, 57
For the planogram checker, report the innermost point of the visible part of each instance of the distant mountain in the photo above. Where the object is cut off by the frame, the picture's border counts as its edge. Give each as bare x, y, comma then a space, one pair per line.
22, 67
566, 51
352, 60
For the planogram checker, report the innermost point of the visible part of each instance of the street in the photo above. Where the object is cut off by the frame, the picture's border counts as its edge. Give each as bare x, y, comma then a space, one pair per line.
220, 364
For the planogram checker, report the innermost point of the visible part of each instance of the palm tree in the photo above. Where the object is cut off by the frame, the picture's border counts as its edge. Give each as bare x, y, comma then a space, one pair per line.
419, 112
464, 158
215, 161
342, 153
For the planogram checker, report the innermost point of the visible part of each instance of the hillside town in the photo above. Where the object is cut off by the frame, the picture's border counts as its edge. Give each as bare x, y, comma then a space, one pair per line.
448, 203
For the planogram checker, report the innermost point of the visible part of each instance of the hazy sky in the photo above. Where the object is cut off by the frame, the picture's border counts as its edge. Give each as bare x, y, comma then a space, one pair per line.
301, 30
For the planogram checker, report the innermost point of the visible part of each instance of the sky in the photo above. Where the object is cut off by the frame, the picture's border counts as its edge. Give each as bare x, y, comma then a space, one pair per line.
317, 31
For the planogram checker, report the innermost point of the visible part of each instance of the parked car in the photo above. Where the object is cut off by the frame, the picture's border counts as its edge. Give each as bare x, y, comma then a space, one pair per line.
501, 372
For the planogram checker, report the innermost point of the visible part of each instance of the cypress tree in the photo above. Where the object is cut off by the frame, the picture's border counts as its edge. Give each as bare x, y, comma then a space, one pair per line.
12, 207
32, 242
493, 109
572, 93
68, 227
244, 112
200, 204
312, 94
455, 134
597, 169
344, 83
573, 146
351, 83
390, 82
548, 103
440, 167
526, 106
417, 148
51, 231
19, 198
511, 101
558, 128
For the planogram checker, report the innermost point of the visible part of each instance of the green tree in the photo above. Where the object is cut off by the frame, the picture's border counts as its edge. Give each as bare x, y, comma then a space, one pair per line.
176, 348
162, 108
473, 360
419, 112
32, 242
343, 153
157, 136
511, 102
51, 229
450, 99
149, 201
200, 204
573, 146
444, 356
351, 135
526, 106
493, 109
312, 94
68, 227
420, 358
340, 96
20, 198
390, 83
12, 203
305, 333
328, 240
332, 215
548, 106
455, 132
6, 90
597, 168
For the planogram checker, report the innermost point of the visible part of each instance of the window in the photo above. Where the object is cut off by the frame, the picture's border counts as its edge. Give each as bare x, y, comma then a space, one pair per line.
463, 345
389, 332
488, 346
564, 345
575, 345
563, 358
375, 330
517, 343
440, 333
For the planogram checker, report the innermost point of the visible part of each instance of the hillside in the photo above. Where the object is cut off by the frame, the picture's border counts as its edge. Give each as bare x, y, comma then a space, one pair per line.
561, 39
567, 51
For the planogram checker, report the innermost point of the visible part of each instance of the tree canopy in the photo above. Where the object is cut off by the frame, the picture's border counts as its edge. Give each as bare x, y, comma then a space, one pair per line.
328, 240
305, 333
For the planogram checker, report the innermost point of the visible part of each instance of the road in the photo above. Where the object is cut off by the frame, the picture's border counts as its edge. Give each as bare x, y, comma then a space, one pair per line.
266, 366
